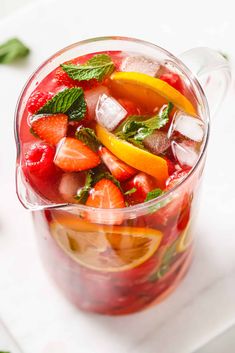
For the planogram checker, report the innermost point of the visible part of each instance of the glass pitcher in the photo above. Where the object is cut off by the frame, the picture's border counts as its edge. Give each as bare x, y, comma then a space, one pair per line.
146, 256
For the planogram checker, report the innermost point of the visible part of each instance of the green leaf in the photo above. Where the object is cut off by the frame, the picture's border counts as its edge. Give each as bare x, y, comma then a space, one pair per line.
106, 175
98, 67
142, 133
131, 191
88, 136
69, 101
11, 50
153, 194
136, 143
160, 120
136, 128
83, 193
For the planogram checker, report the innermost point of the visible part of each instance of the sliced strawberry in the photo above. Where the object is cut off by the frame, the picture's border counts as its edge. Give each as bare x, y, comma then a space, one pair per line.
72, 155
120, 170
176, 177
143, 184
105, 194
39, 159
173, 80
50, 128
37, 100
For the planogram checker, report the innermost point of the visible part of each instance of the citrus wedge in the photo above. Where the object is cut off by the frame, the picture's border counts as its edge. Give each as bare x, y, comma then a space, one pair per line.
105, 248
134, 156
151, 92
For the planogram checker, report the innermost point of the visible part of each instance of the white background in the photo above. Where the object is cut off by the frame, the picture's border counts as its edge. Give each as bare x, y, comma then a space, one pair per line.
35, 318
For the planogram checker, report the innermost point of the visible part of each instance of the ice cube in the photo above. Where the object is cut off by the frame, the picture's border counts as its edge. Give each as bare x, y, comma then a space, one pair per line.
188, 126
109, 113
92, 96
70, 184
157, 143
140, 64
184, 153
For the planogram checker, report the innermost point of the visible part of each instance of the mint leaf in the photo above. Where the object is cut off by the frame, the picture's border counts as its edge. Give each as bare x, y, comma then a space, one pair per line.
88, 136
70, 101
136, 128
11, 50
142, 133
98, 67
131, 191
160, 120
106, 175
153, 194
83, 193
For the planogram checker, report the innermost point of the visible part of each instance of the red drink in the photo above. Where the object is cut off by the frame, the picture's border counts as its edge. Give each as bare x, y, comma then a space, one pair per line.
109, 143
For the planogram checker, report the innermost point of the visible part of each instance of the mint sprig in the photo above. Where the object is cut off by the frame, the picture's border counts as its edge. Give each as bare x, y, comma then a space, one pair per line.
136, 128
12, 50
70, 101
153, 194
83, 193
88, 136
98, 67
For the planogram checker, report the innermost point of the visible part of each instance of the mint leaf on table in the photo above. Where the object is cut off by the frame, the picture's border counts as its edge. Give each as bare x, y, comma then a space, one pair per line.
98, 67
136, 128
88, 137
153, 194
12, 50
70, 101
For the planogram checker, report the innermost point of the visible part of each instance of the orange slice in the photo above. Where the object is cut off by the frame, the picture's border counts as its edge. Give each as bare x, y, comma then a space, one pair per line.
149, 91
105, 248
134, 156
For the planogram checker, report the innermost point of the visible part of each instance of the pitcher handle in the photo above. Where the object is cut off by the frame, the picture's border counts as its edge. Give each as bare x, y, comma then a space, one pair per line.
213, 72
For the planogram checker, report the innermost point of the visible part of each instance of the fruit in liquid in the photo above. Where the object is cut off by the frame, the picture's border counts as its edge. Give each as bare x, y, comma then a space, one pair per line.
112, 141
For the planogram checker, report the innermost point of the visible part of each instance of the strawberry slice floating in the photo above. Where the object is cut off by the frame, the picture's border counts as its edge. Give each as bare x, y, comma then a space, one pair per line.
73, 156
105, 195
50, 128
120, 170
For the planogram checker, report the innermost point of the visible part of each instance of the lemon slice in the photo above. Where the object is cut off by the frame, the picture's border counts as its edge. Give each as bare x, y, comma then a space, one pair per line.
134, 156
105, 248
150, 91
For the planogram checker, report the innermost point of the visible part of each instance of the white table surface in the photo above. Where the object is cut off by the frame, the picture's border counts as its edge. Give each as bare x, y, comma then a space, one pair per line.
35, 317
